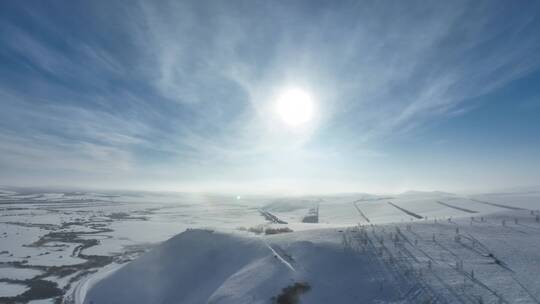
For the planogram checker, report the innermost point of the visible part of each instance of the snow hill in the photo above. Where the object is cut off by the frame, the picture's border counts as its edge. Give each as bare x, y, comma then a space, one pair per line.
414, 248
200, 266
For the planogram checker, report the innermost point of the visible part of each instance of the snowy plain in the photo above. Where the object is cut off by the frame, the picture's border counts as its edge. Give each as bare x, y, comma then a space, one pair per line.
416, 247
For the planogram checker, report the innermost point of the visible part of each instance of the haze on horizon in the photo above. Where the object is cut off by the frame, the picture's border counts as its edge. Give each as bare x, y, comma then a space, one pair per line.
267, 96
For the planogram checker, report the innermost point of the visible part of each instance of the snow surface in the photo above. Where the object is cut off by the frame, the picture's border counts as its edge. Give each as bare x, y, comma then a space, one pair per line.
423, 247
200, 266
9, 289
410, 248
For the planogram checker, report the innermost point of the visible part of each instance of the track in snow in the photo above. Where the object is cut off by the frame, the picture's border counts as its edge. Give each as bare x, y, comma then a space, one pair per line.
360, 211
457, 208
406, 211
280, 257
496, 205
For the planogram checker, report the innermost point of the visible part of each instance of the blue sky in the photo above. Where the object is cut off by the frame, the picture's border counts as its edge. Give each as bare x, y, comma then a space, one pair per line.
178, 95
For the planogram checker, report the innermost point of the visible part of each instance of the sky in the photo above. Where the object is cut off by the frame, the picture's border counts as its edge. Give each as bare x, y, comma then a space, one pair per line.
180, 95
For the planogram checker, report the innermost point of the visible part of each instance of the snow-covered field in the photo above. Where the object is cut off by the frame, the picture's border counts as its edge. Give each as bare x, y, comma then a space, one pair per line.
416, 247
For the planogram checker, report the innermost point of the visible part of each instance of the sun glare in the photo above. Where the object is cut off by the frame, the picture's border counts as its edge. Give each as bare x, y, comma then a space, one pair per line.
295, 107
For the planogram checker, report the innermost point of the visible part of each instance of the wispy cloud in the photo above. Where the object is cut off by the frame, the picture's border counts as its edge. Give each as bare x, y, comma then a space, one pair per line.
190, 84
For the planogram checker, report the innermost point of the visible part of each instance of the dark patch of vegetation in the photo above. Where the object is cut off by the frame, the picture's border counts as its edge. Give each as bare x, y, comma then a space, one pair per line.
291, 294
39, 289
277, 230
257, 229
126, 216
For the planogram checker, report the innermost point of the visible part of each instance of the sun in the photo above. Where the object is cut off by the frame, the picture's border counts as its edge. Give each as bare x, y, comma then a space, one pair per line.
295, 107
